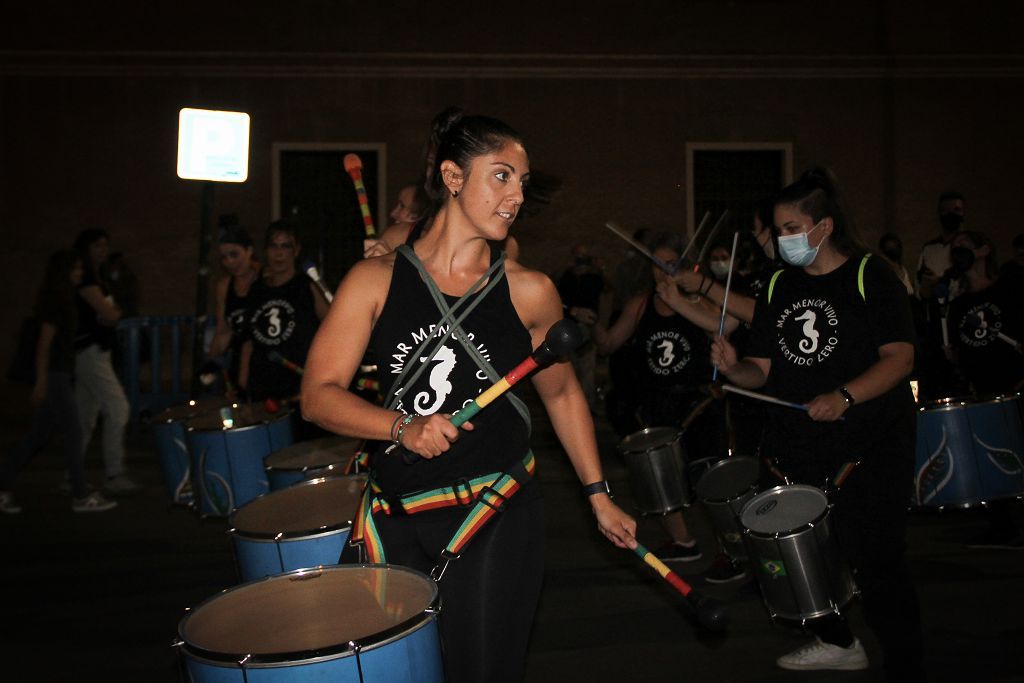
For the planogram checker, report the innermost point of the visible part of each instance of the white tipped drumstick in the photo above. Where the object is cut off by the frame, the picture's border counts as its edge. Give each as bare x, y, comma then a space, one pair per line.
725, 299
314, 275
693, 240
763, 397
639, 247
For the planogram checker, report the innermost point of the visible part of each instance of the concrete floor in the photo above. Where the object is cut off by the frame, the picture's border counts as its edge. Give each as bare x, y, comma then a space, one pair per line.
99, 597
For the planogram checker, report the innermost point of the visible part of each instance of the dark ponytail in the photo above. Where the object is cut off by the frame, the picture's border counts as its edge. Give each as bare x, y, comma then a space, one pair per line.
816, 193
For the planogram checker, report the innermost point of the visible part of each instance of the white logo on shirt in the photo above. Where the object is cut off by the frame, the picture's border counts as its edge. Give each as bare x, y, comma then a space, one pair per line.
799, 341
444, 364
810, 342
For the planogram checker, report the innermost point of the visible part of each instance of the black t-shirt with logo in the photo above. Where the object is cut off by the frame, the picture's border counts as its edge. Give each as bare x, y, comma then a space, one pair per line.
90, 329
820, 332
282, 320
236, 315
983, 327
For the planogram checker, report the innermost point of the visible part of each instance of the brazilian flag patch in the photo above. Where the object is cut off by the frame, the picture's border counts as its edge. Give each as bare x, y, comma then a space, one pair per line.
774, 568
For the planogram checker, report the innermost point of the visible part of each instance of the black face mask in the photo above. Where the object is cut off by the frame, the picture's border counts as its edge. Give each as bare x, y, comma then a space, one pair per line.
962, 259
951, 222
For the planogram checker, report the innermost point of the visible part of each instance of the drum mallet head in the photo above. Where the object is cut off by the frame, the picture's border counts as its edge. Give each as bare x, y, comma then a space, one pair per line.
562, 338
711, 612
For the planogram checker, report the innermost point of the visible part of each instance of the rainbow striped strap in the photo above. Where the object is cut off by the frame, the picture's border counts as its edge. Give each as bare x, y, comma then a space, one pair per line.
364, 530
844, 472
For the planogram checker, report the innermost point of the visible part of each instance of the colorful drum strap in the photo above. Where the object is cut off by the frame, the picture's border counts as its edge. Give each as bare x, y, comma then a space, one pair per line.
844, 472
487, 494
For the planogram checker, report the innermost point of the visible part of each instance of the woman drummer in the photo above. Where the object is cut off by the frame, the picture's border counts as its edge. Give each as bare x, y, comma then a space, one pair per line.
394, 303
835, 333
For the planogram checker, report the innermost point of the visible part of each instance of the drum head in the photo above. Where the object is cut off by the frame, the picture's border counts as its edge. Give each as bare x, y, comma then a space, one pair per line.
309, 610
244, 415
191, 409
648, 439
728, 478
783, 508
309, 506
314, 454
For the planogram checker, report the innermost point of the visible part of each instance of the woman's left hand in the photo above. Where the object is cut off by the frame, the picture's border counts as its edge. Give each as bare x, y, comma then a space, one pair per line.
827, 407
613, 522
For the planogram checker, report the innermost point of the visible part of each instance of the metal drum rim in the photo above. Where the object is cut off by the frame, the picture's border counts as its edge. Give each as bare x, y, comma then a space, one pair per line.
788, 532
952, 403
306, 533
751, 485
648, 430
377, 640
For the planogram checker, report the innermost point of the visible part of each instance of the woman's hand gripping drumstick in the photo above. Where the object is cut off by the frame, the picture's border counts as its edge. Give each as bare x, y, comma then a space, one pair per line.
426, 437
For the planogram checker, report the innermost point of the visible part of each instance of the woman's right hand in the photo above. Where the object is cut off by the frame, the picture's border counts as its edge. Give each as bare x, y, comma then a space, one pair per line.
689, 280
431, 435
723, 354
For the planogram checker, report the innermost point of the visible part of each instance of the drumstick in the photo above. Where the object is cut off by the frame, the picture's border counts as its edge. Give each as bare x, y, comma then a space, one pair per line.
641, 248
276, 357
711, 613
354, 167
770, 399
725, 299
561, 339
314, 275
703, 222
763, 397
710, 239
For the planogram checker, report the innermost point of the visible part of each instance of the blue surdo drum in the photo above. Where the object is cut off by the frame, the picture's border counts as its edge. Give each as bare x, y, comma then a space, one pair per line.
172, 449
313, 459
356, 623
226, 450
304, 525
969, 451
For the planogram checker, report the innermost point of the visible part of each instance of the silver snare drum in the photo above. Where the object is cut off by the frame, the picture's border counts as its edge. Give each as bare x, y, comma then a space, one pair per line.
793, 550
657, 470
724, 489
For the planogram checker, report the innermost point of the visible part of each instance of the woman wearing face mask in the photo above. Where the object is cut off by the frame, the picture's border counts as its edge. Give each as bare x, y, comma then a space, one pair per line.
835, 333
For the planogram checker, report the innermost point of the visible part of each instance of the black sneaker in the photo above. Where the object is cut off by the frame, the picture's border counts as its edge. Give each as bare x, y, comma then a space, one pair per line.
995, 540
724, 570
677, 552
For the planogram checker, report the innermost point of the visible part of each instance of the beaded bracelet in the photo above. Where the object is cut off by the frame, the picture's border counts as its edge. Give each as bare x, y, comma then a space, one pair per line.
401, 428
394, 425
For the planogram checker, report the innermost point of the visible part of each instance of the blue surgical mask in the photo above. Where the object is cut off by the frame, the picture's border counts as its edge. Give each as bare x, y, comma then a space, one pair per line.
796, 251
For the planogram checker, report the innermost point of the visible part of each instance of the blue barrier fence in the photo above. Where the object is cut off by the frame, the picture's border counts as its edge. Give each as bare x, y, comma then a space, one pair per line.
156, 341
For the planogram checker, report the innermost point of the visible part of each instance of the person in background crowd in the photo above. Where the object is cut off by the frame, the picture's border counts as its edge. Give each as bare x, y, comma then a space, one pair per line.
935, 373
1011, 274
581, 286
409, 206
98, 391
891, 247
834, 332
986, 329
284, 312
53, 400
242, 271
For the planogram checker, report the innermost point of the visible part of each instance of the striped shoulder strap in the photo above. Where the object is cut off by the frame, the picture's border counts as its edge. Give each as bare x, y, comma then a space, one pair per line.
860, 276
771, 283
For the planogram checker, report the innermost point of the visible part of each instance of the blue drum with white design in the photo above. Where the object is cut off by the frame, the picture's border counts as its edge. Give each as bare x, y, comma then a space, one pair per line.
344, 623
969, 451
171, 447
304, 525
313, 459
226, 451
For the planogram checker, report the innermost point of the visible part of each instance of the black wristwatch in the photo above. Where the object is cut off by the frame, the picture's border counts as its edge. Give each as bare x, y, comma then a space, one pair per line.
597, 487
845, 393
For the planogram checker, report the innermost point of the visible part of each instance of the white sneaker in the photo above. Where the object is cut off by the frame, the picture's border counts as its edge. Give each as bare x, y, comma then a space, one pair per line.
819, 655
94, 502
7, 504
120, 484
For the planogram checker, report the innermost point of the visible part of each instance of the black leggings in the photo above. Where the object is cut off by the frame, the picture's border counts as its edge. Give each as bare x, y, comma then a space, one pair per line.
490, 594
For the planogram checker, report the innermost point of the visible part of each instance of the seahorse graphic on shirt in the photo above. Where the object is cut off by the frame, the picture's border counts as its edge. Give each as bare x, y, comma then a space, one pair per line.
444, 364
810, 344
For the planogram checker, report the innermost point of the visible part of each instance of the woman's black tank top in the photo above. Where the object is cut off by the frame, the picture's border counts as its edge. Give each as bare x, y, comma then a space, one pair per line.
453, 379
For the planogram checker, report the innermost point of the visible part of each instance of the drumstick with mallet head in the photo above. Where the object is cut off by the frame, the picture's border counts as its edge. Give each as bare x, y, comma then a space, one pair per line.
561, 339
711, 613
354, 167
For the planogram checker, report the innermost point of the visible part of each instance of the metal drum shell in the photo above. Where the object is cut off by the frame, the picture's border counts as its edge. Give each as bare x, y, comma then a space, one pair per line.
407, 651
724, 490
172, 448
656, 462
305, 525
799, 570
